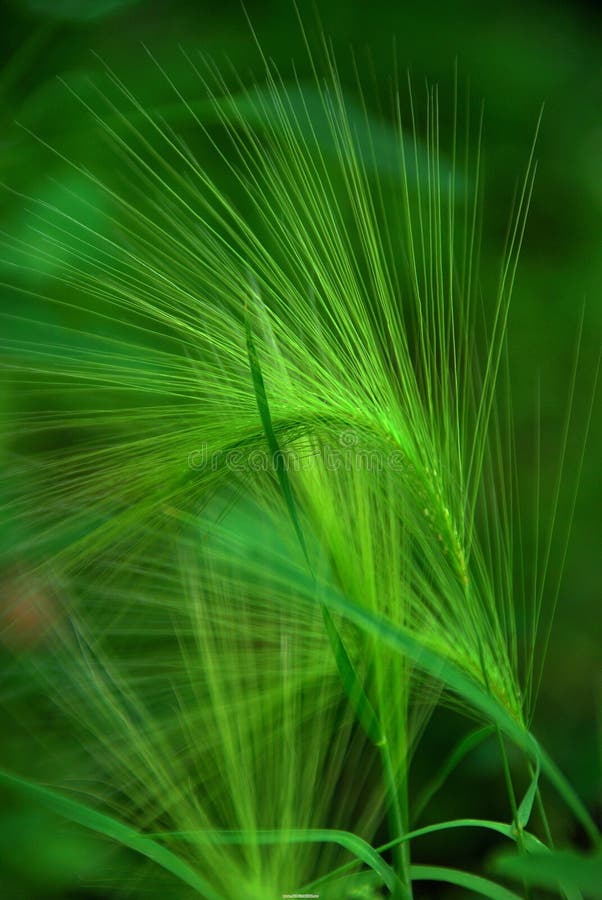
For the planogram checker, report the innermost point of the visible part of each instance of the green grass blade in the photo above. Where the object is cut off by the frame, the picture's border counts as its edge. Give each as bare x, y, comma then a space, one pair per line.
462, 749
351, 682
278, 460
100, 823
561, 869
359, 848
526, 805
353, 687
532, 843
475, 883
436, 665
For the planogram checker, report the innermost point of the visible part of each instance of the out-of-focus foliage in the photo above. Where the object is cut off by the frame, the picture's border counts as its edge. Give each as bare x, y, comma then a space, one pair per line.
515, 57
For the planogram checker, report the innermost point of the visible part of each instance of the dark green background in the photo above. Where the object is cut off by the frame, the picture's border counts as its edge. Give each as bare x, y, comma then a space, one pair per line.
515, 57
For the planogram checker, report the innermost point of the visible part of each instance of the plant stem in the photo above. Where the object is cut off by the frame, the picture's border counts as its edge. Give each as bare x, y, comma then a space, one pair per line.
401, 852
544, 818
520, 841
510, 790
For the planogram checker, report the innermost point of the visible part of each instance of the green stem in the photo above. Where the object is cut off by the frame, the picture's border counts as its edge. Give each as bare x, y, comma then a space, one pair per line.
350, 679
520, 841
510, 791
543, 816
401, 850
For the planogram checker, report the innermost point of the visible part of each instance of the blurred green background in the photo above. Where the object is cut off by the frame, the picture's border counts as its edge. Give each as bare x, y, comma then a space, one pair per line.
515, 57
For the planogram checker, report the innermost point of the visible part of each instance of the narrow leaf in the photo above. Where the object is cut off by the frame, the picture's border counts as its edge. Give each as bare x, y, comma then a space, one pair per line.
357, 846
278, 461
526, 806
555, 870
462, 749
96, 821
437, 665
353, 687
351, 681
532, 843
476, 883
